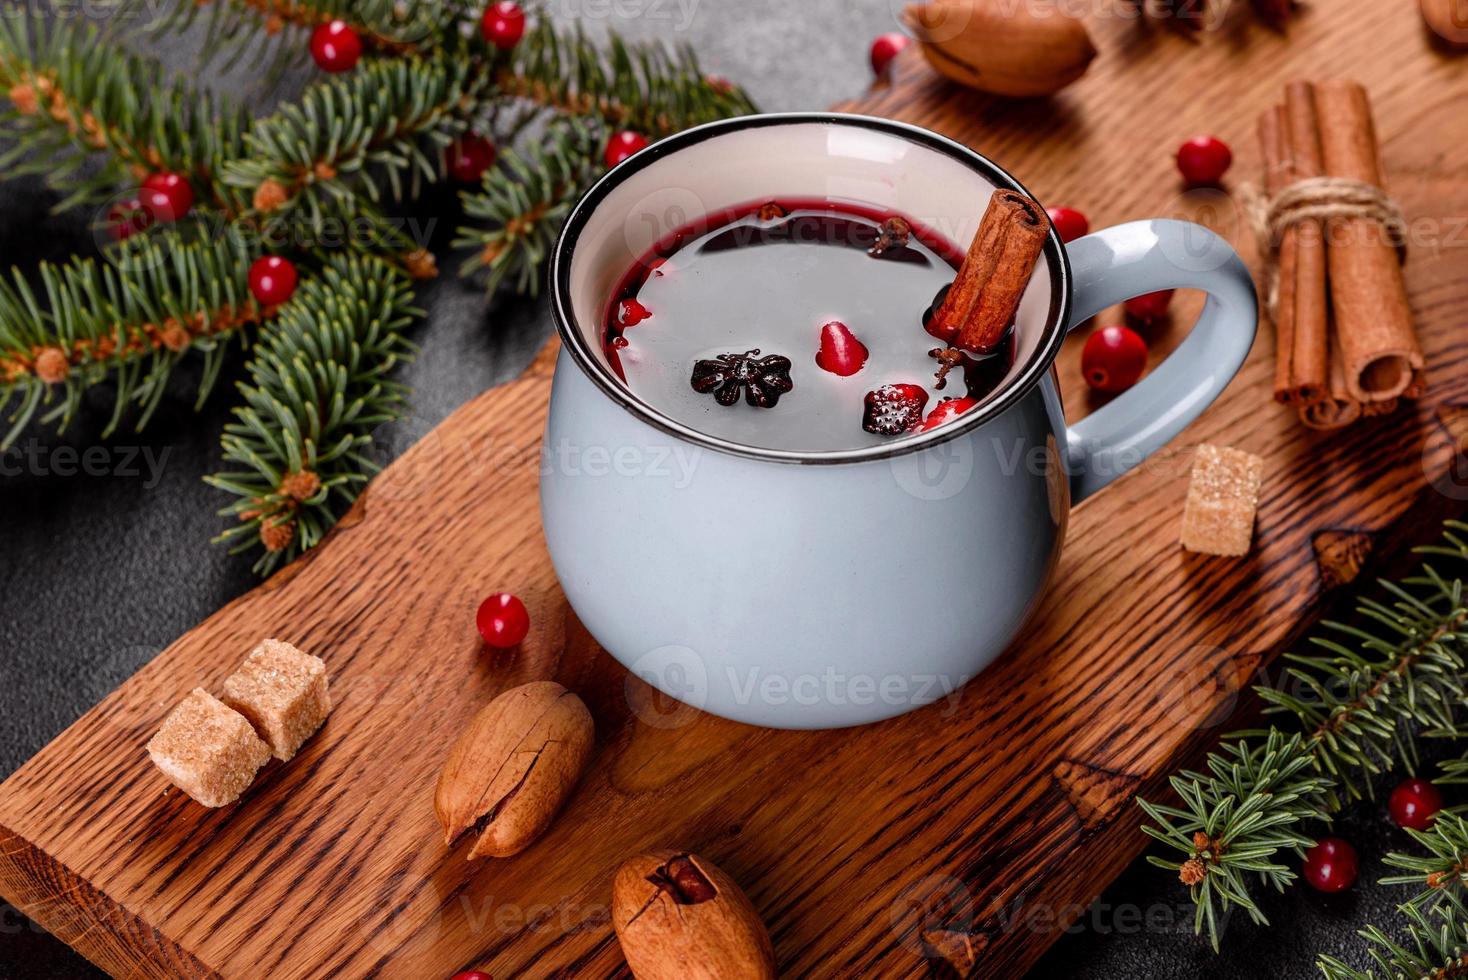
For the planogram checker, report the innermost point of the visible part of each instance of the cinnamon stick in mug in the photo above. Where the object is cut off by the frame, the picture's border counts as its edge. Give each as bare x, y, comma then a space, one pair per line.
1378, 342
982, 301
1310, 364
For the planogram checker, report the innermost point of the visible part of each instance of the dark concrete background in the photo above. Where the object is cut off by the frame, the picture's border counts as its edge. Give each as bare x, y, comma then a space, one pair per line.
99, 573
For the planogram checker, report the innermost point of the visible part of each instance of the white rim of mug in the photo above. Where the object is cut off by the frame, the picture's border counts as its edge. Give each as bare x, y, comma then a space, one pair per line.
574, 341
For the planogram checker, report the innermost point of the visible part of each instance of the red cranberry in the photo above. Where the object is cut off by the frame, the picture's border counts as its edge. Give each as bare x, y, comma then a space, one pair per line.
894, 409
503, 25
1204, 159
1414, 804
1330, 866
841, 353
502, 620
168, 195
1069, 223
885, 48
470, 157
1113, 359
622, 145
472, 975
336, 47
272, 280
130, 218
946, 411
1149, 308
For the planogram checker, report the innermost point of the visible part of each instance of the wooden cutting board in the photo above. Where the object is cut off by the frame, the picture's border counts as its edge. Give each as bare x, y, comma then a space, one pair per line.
997, 815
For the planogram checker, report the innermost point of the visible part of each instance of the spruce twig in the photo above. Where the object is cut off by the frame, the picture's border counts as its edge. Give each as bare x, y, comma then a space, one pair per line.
378, 134
650, 88
274, 32
75, 100
1356, 706
523, 204
1440, 872
1436, 947
128, 322
314, 181
318, 387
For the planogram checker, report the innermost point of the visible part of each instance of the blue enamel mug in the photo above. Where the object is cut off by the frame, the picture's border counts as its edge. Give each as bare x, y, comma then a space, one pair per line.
826, 589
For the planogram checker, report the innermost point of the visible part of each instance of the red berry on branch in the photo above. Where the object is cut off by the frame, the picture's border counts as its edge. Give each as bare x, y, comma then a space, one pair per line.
168, 195
503, 25
502, 620
272, 280
1149, 308
1331, 866
946, 411
1414, 804
886, 48
1204, 159
336, 46
470, 157
1113, 359
129, 218
841, 353
1069, 223
622, 145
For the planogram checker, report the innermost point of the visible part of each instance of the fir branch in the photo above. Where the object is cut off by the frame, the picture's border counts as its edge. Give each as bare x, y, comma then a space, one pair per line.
75, 99
232, 29
1356, 708
1443, 869
380, 133
523, 204
129, 321
1436, 947
650, 88
1236, 817
318, 386
1454, 773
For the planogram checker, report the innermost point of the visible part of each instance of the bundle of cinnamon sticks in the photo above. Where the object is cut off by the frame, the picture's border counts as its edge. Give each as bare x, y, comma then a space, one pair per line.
1347, 347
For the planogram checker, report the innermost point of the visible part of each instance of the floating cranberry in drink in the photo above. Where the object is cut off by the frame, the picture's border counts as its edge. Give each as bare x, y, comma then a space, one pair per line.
800, 325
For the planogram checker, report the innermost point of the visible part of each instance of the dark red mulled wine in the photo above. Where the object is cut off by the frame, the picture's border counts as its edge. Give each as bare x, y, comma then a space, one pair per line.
798, 325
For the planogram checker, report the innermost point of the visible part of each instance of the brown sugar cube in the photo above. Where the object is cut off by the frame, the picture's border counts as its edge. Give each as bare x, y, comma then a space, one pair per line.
208, 750
283, 692
1222, 499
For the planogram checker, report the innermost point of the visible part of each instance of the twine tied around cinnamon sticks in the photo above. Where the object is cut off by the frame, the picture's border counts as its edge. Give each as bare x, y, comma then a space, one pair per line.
1314, 199
1346, 343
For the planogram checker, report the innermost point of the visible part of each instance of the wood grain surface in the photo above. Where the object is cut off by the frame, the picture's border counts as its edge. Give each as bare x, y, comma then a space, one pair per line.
987, 821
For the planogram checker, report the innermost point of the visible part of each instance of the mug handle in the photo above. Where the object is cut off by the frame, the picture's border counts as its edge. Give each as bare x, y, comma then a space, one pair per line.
1143, 257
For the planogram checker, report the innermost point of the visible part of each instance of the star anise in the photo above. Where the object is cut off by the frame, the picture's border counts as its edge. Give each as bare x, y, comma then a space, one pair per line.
763, 379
